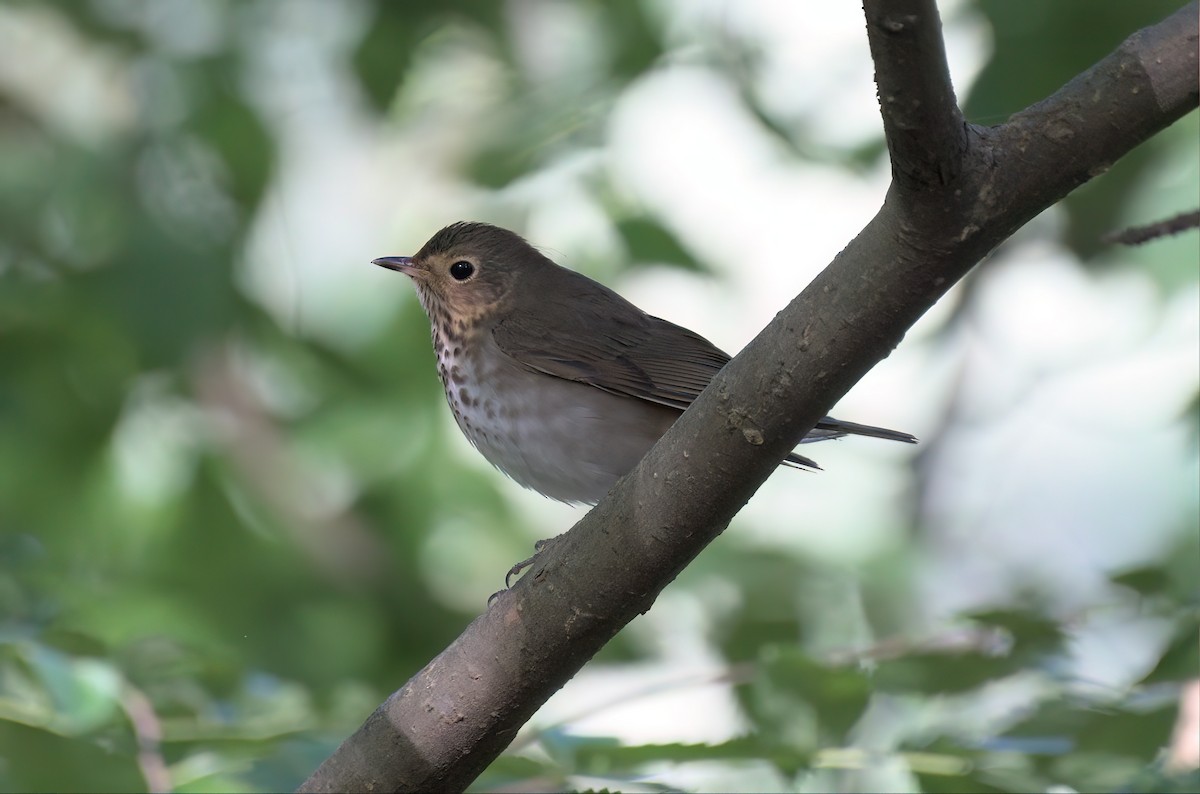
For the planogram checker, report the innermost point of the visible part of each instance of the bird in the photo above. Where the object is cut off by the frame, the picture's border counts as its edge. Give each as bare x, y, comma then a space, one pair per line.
560, 383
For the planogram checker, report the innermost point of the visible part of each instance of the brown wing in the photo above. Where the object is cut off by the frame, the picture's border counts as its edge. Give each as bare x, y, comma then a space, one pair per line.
599, 338
614, 346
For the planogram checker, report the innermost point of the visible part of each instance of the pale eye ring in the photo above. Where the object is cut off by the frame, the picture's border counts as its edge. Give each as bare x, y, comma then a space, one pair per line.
462, 270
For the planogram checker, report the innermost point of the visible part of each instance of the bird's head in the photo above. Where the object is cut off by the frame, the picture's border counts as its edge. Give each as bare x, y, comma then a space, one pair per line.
467, 270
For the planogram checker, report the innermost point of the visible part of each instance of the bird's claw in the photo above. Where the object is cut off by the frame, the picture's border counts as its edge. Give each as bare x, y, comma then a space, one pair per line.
538, 547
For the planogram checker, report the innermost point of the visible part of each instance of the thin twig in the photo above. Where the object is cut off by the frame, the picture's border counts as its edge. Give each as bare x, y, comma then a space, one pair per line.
1136, 235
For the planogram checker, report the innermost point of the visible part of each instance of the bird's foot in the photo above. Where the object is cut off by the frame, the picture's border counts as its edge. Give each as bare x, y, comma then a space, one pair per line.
538, 547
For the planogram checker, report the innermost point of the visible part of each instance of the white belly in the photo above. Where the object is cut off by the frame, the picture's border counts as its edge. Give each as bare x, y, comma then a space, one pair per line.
567, 440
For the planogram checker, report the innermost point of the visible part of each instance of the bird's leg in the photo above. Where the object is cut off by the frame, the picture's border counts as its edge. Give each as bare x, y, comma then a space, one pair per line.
538, 547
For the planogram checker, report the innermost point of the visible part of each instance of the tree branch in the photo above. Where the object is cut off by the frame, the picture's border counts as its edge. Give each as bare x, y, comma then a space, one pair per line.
958, 192
925, 133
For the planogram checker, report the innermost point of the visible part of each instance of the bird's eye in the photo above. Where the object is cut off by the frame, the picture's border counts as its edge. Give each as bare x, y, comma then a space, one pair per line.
462, 270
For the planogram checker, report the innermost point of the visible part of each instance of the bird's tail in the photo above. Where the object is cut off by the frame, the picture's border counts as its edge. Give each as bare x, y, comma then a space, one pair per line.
835, 428
800, 462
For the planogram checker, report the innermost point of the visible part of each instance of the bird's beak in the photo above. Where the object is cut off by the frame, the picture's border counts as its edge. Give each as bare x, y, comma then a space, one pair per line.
402, 264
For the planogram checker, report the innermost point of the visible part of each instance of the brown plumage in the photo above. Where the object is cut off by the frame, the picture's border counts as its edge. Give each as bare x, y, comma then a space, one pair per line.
559, 381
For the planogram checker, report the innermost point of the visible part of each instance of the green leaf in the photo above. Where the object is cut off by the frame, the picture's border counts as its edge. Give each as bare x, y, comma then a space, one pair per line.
649, 241
1155, 779
515, 773
1086, 771
1070, 726
1126, 731
36, 760
59, 693
1034, 636
803, 703
943, 672
384, 54
1181, 659
608, 758
1146, 580
635, 41
504, 161
984, 770
957, 784
236, 133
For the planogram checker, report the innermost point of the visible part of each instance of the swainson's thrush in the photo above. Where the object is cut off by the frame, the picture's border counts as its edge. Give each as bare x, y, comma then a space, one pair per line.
560, 382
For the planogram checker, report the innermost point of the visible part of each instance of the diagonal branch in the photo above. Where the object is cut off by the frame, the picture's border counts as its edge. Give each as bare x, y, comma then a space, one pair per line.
958, 192
1137, 235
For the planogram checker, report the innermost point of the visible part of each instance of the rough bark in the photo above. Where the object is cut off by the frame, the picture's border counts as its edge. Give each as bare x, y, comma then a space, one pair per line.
958, 191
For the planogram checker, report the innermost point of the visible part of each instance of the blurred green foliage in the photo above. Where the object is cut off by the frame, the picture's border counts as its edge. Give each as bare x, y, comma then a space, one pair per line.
187, 579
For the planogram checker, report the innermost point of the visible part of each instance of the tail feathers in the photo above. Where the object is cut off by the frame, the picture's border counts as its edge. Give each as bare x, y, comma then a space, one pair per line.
836, 428
800, 462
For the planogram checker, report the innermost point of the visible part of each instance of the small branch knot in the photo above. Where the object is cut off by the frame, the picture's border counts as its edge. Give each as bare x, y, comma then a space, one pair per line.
897, 24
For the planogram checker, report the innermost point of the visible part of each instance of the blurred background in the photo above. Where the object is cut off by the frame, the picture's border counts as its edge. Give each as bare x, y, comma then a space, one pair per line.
235, 512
